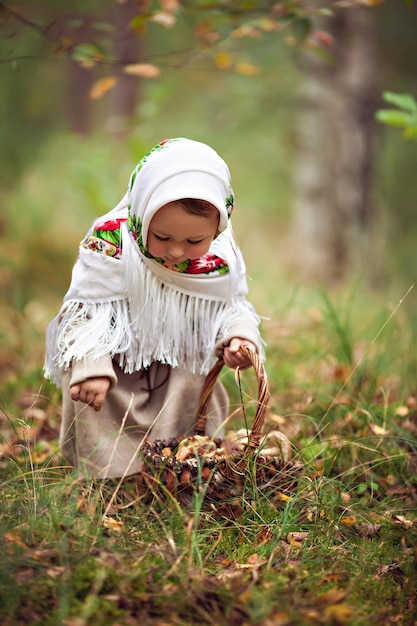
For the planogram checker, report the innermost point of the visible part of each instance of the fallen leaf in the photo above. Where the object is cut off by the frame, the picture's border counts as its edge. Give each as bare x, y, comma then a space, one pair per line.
253, 559
338, 614
393, 569
253, 562
14, 537
368, 531
55, 572
402, 411
402, 521
349, 520
277, 618
113, 525
297, 538
283, 497
378, 430
332, 596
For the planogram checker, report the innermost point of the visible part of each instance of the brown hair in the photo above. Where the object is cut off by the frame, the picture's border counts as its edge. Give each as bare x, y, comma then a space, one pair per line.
198, 207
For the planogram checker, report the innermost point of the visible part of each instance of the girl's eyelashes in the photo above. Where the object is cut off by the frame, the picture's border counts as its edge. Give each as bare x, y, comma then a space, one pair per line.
192, 243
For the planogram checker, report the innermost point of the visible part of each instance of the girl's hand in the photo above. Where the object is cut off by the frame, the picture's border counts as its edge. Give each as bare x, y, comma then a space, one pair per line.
233, 357
92, 391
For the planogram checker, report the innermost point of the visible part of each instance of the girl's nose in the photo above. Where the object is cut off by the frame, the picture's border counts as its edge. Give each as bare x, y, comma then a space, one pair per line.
176, 251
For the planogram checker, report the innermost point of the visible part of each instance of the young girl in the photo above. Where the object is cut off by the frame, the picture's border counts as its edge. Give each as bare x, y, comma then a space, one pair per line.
158, 292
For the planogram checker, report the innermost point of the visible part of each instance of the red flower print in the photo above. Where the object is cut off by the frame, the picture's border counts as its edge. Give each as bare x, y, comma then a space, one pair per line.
109, 225
205, 264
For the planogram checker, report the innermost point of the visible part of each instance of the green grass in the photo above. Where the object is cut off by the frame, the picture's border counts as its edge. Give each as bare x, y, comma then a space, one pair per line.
340, 548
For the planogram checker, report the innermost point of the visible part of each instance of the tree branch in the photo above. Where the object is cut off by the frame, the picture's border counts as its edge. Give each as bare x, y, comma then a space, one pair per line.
42, 30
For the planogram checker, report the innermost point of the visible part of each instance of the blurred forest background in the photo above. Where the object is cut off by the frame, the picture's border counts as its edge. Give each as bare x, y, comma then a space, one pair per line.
287, 95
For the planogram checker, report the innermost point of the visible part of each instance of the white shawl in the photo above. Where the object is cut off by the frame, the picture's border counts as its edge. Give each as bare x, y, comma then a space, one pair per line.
136, 309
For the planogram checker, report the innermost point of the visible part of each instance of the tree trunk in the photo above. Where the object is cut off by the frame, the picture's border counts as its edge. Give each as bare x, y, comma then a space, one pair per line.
126, 49
333, 213
78, 103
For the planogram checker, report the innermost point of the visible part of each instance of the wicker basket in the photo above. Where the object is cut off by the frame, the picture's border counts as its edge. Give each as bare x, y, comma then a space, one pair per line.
221, 469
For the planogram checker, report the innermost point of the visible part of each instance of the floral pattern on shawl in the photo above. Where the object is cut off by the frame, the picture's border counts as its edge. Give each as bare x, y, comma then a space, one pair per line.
106, 239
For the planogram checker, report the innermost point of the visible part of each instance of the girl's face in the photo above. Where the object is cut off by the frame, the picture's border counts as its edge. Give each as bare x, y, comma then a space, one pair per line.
176, 235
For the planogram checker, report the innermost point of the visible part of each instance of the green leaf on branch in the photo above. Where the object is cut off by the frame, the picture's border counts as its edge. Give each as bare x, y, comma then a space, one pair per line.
401, 100
404, 116
395, 118
87, 55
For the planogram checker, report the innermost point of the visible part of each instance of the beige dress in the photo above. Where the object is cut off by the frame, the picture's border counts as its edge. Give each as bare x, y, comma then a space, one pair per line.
160, 403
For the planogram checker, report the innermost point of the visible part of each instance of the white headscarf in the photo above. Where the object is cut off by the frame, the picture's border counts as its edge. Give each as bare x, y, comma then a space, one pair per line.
134, 307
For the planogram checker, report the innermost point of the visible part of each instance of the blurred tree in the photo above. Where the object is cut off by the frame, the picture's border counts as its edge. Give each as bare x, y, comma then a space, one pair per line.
334, 207
104, 44
126, 46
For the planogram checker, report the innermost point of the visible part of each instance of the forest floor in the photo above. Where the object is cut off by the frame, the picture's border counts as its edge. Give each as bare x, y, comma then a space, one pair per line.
337, 546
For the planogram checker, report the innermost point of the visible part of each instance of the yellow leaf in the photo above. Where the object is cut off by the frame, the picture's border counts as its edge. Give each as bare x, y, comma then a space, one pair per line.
247, 69
338, 614
348, 521
283, 497
113, 525
223, 61
145, 70
102, 86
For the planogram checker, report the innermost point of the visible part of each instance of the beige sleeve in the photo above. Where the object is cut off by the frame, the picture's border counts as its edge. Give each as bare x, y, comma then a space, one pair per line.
241, 330
89, 367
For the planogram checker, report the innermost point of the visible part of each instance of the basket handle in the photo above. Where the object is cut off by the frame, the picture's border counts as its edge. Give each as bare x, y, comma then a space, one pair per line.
263, 396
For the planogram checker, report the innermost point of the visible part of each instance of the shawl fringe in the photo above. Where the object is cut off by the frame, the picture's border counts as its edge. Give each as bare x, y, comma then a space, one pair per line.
172, 327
